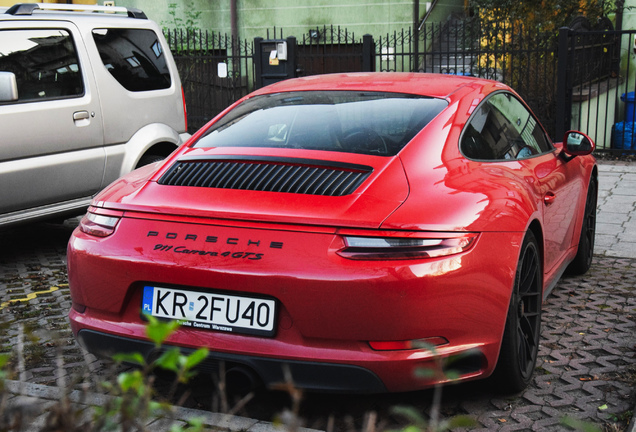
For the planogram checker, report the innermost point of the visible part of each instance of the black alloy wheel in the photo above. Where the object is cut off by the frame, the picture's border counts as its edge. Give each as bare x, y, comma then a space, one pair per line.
583, 260
520, 343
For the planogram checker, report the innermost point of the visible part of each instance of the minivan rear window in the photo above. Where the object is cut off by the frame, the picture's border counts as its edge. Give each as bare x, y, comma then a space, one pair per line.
134, 57
374, 123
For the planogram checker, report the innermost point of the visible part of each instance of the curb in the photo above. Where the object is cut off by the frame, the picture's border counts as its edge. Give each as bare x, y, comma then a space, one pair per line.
32, 402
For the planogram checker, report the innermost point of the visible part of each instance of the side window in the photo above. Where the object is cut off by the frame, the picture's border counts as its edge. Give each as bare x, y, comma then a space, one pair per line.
502, 129
44, 62
134, 57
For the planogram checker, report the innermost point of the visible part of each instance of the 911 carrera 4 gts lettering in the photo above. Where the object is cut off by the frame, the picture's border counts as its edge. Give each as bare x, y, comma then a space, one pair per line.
184, 250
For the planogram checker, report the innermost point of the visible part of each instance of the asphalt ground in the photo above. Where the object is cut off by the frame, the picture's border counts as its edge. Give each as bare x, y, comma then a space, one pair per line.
586, 368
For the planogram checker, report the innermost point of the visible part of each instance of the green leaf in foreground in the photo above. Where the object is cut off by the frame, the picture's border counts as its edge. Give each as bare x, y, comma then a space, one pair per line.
130, 380
158, 331
134, 358
169, 360
196, 357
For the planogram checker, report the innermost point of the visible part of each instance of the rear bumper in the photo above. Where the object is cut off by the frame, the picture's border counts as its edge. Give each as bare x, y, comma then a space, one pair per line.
330, 308
391, 374
313, 376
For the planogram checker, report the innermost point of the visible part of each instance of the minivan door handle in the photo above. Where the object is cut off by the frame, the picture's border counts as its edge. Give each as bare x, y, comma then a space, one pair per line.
80, 115
82, 118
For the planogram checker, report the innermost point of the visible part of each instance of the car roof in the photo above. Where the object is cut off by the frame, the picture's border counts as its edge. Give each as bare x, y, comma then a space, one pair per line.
424, 84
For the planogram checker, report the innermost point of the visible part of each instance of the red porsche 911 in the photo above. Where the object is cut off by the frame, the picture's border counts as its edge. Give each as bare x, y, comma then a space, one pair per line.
349, 228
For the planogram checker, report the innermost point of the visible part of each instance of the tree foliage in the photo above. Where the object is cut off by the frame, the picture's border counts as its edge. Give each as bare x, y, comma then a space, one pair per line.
544, 15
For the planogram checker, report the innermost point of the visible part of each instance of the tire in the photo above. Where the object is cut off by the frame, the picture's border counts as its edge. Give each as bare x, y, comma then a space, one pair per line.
148, 159
583, 259
520, 342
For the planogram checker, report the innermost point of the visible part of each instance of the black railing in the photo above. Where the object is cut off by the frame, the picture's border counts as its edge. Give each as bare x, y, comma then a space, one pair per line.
215, 71
595, 95
524, 60
571, 80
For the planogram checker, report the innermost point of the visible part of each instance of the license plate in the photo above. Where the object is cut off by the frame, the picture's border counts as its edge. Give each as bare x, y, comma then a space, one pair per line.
211, 311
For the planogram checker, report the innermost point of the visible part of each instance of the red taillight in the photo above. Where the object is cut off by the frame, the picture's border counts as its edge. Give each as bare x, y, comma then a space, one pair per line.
99, 225
393, 248
185, 111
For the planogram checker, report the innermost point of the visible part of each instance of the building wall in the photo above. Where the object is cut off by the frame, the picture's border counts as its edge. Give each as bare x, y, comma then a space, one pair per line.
629, 15
295, 17
214, 14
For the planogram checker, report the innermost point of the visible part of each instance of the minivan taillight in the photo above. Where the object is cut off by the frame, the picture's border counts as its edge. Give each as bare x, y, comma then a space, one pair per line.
185, 110
99, 225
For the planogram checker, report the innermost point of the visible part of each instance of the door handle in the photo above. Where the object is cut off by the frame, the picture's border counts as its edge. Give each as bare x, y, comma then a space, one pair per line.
549, 198
80, 115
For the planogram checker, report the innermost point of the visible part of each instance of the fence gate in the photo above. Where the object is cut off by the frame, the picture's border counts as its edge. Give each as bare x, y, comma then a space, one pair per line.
320, 51
333, 50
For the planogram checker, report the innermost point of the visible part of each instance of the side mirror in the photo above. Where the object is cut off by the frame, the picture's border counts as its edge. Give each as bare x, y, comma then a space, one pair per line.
576, 143
8, 87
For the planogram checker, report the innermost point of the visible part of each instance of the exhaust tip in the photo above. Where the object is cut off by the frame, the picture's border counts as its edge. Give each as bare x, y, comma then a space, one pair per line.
467, 363
241, 380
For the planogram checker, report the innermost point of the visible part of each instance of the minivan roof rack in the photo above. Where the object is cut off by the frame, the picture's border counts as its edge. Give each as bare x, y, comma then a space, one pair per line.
28, 8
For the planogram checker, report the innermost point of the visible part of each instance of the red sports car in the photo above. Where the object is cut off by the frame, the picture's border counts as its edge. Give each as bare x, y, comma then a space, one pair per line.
353, 227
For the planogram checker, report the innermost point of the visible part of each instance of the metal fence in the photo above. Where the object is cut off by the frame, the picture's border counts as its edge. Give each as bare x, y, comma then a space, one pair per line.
571, 80
198, 56
525, 60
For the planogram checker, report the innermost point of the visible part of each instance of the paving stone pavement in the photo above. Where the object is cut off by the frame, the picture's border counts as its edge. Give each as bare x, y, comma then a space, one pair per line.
616, 217
586, 368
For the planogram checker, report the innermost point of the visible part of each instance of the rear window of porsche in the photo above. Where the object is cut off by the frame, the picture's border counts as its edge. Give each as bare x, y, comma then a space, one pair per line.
374, 123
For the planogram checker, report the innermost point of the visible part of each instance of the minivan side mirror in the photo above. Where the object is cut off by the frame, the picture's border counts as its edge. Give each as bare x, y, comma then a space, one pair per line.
576, 143
8, 87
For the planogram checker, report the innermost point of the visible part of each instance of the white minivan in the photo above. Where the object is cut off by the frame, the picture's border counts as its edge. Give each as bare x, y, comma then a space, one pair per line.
87, 94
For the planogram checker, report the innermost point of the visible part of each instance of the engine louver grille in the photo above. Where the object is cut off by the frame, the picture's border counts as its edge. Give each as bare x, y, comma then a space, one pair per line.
268, 175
